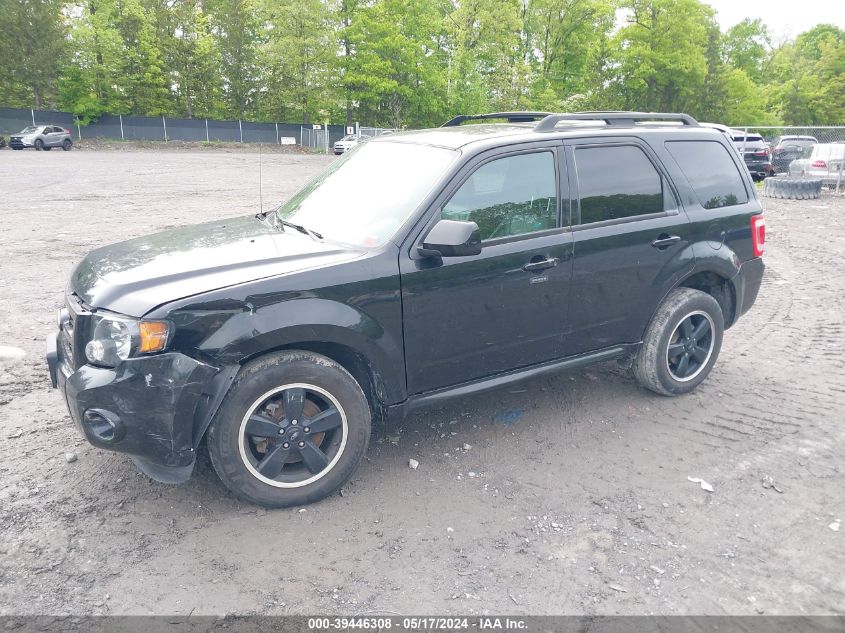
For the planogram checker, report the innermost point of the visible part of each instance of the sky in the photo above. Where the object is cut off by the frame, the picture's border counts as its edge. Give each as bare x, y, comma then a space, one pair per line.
785, 18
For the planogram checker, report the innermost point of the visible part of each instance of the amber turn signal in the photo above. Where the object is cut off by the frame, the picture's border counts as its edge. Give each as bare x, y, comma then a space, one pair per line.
153, 336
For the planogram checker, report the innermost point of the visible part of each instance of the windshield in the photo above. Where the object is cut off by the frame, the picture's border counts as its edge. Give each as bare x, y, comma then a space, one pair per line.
29, 130
367, 194
795, 141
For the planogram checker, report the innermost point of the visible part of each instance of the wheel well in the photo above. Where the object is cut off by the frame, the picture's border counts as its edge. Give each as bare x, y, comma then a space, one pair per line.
716, 286
353, 362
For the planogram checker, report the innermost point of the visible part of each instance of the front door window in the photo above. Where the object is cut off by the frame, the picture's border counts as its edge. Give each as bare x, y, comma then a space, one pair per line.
508, 196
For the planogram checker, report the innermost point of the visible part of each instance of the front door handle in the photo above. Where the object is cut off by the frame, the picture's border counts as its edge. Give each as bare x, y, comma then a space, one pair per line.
665, 241
541, 265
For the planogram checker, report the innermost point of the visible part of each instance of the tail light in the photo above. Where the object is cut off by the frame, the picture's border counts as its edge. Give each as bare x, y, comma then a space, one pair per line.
758, 234
67, 131
820, 164
762, 152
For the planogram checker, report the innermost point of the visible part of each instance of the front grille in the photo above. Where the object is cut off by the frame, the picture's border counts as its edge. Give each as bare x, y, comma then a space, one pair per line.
74, 332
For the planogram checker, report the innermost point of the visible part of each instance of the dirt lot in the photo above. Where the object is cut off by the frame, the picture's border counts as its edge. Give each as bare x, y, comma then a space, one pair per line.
573, 498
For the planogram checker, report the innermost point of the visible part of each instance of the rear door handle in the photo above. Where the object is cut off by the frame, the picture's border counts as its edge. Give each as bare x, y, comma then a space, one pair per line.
665, 241
541, 265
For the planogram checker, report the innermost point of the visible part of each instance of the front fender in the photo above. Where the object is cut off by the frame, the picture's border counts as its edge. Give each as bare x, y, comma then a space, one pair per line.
232, 332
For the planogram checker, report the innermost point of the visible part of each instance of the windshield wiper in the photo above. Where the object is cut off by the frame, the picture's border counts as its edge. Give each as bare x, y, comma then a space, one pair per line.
279, 221
300, 228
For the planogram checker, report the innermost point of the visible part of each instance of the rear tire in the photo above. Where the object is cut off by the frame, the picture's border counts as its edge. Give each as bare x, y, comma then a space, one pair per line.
681, 344
260, 441
67, 144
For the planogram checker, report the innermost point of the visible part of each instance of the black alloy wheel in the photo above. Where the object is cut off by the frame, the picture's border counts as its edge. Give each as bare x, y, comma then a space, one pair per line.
293, 435
690, 346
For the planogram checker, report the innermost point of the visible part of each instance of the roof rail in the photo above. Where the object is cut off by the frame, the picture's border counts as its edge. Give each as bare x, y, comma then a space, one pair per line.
512, 117
614, 118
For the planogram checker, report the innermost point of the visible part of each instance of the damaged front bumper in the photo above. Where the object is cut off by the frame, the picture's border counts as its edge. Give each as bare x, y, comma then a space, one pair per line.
153, 408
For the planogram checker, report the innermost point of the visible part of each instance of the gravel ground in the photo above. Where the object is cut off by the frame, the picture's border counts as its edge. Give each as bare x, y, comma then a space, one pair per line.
572, 498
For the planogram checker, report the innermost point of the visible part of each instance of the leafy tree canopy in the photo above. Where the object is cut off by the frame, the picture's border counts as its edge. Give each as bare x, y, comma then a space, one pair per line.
411, 62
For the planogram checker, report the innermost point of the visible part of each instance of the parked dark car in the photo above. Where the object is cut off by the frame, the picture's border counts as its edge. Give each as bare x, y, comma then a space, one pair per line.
492, 253
755, 152
42, 137
790, 148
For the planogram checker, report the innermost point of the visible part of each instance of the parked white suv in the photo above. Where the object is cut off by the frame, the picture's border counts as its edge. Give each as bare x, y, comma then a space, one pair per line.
346, 143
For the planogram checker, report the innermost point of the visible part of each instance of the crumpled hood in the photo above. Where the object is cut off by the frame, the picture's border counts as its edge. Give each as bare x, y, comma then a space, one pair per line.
137, 275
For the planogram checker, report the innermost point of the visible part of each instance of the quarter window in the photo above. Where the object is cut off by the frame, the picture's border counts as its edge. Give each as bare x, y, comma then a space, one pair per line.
508, 196
617, 182
710, 171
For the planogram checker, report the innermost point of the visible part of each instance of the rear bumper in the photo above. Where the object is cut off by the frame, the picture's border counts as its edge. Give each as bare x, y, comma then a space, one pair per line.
827, 177
746, 285
761, 169
145, 407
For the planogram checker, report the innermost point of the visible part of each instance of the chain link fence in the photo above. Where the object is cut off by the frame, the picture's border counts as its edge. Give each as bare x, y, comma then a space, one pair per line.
137, 128
370, 132
316, 137
816, 151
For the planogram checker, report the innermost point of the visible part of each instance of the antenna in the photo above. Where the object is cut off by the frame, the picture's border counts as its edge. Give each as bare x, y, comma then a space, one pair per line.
260, 194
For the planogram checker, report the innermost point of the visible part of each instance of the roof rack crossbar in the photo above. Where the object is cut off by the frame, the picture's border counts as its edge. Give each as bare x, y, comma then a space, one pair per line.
511, 117
618, 119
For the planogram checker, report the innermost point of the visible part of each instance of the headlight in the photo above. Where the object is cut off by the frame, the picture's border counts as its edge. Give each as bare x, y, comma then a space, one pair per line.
117, 338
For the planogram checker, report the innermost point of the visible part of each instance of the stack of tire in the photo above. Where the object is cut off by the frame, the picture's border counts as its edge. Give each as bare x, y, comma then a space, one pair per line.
792, 188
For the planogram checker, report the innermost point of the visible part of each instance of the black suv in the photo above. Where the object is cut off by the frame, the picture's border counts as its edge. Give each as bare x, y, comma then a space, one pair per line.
418, 267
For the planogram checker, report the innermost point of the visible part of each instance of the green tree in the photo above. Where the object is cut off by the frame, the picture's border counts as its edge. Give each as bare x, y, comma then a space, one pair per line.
661, 54
728, 94
485, 67
299, 57
395, 70
117, 66
89, 85
141, 72
32, 49
237, 27
747, 46
190, 55
809, 78
567, 38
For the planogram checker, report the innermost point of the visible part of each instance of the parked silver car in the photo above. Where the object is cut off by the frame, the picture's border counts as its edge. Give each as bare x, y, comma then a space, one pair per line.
40, 137
825, 162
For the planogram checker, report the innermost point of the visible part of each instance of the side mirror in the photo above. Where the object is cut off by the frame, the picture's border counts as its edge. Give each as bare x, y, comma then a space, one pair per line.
450, 238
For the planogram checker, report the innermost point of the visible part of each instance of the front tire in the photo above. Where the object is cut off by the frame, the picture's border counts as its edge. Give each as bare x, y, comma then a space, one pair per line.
681, 344
292, 430
39, 145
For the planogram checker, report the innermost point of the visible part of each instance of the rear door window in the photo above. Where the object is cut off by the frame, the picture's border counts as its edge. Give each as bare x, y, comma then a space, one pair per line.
617, 182
710, 171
